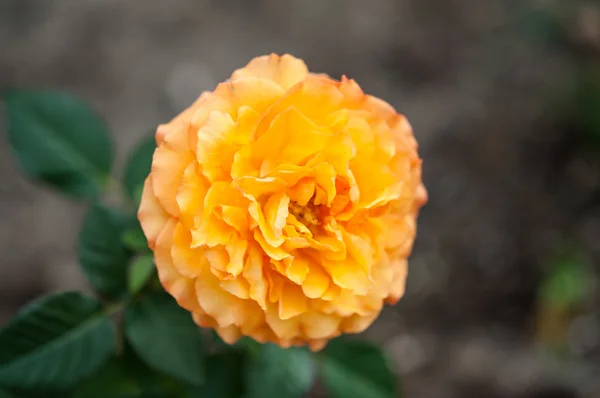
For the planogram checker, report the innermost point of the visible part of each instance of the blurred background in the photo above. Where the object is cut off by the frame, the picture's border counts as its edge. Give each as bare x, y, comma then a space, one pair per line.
504, 98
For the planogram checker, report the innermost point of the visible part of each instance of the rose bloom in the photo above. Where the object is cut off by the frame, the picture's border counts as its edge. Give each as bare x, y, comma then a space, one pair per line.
282, 206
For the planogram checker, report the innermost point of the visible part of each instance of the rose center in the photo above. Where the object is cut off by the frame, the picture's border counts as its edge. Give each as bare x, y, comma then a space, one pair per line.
309, 214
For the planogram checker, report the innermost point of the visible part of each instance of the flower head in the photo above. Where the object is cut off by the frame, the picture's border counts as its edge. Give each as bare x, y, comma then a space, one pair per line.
282, 205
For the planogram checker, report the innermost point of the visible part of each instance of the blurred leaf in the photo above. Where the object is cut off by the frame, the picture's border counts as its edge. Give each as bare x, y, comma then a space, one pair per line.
36, 393
541, 24
138, 166
55, 342
565, 286
587, 100
140, 272
224, 376
165, 337
357, 369
134, 239
112, 381
59, 141
282, 373
125, 376
5, 394
101, 253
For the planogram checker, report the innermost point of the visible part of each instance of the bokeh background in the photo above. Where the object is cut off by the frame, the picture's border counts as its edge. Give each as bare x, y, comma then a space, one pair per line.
504, 98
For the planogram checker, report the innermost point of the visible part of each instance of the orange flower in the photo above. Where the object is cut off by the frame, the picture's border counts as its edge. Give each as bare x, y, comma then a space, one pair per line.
282, 205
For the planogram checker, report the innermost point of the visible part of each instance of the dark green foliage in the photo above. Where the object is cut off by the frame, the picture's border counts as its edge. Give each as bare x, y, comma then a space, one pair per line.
55, 342
59, 141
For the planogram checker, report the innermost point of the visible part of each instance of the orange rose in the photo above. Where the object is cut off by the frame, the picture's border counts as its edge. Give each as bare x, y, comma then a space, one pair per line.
282, 205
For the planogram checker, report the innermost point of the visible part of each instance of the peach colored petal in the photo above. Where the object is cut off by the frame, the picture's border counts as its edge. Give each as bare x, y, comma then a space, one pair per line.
283, 328
291, 138
256, 92
276, 212
236, 217
292, 301
296, 269
189, 262
237, 253
167, 171
319, 326
284, 70
357, 323
302, 192
218, 141
183, 118
211, 232
229, 334
270, 232
348, 275
238, 287
151, 214
226, 308
190, 194
253, 272
316, 283
181, 288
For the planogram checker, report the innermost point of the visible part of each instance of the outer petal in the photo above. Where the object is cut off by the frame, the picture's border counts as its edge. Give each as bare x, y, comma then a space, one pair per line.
285, 70
151, 214
180, 287
167, 171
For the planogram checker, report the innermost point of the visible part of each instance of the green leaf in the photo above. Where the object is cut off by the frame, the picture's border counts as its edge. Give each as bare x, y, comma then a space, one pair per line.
125, 376
277, 372
356, 369
140, 272
138, 166
112, 381
165, 337
541, 25
5, 394
566, 285
587, 103
59, 141
37, 393
55, 342
134, 239
101, 253
224, 376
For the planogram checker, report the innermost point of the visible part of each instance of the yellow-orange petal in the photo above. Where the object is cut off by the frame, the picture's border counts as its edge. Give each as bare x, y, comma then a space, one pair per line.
229, 334
285, 329
217, 143
291, 138
239, 287
297, 269
316, 325
276, 212
151, 214
292, 301
226, 308
255, 92
190, 194
348, 275
237, 252
316, 283
167, 171
253, 272
183, 118
187, 261
400, 269
284, 70
180, 287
